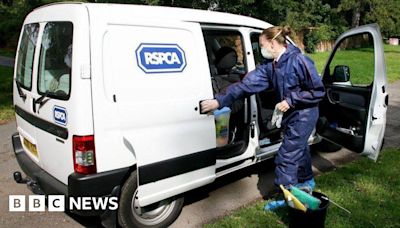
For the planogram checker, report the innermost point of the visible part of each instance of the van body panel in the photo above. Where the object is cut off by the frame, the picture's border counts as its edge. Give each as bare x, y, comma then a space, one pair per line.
175, 185
110, 143
129, 13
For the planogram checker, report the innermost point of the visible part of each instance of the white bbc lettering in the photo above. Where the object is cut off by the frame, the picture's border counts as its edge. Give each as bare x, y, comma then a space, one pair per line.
74, 203
37, 203
93, 203
114, 203
157, 58
86, 201
99, 202
56, 202
16, 203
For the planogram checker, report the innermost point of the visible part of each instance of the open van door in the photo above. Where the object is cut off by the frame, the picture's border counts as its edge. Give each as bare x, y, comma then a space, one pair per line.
158, 75
353, 113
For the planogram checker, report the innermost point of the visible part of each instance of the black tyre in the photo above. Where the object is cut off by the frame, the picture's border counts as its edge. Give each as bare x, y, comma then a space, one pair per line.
160, 214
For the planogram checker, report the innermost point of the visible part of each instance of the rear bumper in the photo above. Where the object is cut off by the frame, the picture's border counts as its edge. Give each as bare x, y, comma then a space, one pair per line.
48, 184
99, 184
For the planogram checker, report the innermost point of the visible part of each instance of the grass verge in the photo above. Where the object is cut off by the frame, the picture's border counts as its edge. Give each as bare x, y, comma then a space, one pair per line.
7, 53
6, 100
392, 56
369, 190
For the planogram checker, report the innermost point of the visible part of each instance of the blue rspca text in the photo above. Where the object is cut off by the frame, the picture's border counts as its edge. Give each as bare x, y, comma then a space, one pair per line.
160, 58
60, 115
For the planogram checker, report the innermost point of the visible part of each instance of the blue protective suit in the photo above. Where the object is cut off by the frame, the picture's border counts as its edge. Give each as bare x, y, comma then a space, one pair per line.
295, 80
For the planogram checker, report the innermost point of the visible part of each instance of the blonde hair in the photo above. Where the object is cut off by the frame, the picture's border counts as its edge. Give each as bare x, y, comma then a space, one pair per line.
277, 33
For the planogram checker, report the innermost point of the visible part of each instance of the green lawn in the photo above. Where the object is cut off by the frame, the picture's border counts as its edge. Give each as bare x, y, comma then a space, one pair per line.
6, 106
7, 53
360, 73
371, 191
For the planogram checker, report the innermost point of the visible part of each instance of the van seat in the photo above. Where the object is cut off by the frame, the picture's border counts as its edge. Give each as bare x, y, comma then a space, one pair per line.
63, 83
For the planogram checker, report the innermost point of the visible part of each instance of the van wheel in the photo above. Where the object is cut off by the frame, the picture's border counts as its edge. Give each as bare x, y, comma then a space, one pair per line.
160, 214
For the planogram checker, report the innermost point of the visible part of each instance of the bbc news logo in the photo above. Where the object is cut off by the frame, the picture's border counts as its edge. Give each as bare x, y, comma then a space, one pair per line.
56, 203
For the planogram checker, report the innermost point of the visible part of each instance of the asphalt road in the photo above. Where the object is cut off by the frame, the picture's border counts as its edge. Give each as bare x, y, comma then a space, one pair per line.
203, 205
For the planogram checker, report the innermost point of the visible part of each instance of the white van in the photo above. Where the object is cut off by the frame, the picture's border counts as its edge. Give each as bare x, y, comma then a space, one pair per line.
107, 103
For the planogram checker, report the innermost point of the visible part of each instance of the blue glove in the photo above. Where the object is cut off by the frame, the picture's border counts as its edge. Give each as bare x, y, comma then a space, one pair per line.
273, 205
307, 186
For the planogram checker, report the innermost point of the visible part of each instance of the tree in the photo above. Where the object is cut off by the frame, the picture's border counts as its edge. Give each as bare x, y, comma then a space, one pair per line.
318, 20
385, 13
175, 3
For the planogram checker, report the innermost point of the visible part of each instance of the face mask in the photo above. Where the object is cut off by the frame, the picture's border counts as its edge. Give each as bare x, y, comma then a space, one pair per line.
266, 53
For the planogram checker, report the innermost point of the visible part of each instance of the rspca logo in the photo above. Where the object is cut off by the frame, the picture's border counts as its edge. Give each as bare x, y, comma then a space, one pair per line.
60, 115
160, 58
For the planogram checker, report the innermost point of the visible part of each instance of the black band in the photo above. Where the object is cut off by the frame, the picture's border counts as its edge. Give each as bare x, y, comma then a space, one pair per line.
42, 124
175, 166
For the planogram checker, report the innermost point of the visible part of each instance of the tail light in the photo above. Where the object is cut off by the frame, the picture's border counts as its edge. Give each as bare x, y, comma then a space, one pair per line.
84, 154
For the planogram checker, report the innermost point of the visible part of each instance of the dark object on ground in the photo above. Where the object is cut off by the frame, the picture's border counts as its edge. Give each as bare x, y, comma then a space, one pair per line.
312, 218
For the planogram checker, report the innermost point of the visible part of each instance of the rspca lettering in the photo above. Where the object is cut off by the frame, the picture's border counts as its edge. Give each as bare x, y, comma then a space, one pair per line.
160, 58
60, 115
157, 58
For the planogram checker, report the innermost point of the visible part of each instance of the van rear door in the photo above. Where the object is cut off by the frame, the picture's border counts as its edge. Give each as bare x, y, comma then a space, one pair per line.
23, 93
52, 105
159, 72
58, 104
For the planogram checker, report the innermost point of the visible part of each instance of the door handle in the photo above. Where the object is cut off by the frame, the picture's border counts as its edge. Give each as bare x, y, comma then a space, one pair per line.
333, 97
252, 129
34, 105
199, 109
387, 100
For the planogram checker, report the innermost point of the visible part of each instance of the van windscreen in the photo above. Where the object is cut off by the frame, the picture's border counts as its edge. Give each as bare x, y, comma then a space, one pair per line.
55, 60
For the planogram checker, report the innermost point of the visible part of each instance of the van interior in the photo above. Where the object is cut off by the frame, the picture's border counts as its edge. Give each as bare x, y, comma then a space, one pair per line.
227, 66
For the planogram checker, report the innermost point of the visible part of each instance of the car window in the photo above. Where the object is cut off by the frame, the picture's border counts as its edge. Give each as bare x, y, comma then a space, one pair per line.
353, 61
218, 43
26, 55
56, 60
256, 47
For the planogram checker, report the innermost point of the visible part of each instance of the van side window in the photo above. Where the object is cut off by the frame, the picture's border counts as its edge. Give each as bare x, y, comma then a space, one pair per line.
353, 62
55, 60
256, 48
227, 62
218, 44
225, 51
26, 54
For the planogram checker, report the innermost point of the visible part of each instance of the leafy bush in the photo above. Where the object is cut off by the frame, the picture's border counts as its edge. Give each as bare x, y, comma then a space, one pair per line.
323, 32
310, 42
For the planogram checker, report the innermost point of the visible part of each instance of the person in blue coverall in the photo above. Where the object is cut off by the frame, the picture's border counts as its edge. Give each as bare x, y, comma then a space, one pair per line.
298, 89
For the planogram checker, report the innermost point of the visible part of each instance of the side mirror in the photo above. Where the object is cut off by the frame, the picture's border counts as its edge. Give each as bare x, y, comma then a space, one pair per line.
341, 74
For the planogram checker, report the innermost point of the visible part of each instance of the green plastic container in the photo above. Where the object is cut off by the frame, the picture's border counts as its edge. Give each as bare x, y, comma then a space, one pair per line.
222, 125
